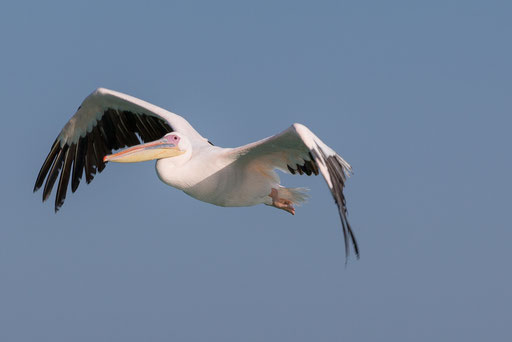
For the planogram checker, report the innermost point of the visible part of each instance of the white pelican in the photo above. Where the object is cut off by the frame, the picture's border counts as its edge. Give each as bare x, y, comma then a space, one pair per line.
244, 176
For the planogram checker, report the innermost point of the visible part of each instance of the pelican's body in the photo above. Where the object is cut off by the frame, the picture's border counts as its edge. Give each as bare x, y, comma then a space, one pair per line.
214, 177
242, 176
208, 177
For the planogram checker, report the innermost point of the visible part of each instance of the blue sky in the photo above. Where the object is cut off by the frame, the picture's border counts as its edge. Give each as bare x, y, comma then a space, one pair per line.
415, 95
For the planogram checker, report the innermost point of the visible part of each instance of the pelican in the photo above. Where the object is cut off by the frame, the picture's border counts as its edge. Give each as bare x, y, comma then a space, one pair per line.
108, 120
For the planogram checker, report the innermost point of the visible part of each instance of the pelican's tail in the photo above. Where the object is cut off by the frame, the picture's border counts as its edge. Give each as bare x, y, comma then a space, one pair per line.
296, 195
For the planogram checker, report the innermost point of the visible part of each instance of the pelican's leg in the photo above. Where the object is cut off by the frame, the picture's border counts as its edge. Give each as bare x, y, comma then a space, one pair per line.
281, 203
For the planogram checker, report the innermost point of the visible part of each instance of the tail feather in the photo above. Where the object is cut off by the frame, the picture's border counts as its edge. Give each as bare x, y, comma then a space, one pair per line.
296, 195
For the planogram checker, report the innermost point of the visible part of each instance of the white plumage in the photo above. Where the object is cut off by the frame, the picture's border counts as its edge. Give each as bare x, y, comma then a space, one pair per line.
108, 120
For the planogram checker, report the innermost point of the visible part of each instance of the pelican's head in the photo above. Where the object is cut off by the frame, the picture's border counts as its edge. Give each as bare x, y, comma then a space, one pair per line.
171, 145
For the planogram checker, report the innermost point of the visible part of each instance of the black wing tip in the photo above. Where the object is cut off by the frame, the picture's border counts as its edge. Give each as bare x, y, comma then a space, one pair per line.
74, 186
337, 173
47, 164
348, 234
355, 246
116, 129
309, 168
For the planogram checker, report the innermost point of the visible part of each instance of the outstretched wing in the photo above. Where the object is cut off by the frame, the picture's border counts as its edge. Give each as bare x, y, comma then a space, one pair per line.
298, 150
106, 120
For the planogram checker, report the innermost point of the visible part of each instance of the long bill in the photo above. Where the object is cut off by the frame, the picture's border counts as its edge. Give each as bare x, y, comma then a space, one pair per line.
157, 149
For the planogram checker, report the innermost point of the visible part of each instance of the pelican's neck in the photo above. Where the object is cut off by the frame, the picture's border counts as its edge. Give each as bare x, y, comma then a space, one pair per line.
190, 168
171, 170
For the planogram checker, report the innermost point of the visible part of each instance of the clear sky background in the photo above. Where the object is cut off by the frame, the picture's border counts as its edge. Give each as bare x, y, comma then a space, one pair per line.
416, 95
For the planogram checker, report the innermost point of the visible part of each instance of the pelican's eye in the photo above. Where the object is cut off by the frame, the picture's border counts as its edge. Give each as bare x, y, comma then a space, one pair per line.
173, 139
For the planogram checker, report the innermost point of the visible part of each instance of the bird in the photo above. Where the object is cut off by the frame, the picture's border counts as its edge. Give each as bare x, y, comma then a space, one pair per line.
109, 121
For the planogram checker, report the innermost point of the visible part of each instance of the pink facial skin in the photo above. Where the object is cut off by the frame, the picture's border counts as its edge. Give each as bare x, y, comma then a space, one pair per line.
173, 139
